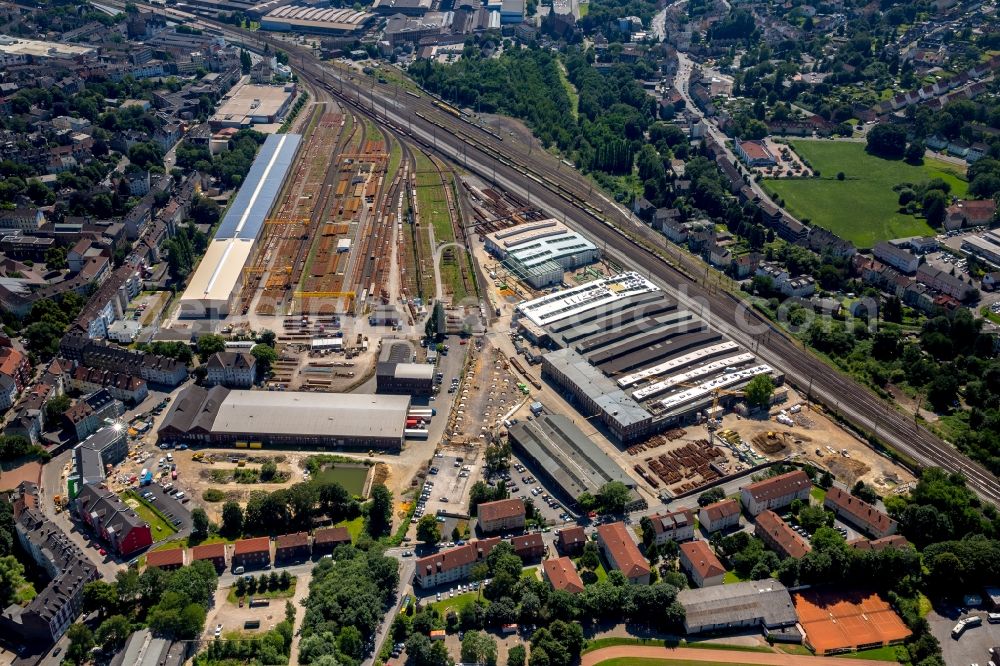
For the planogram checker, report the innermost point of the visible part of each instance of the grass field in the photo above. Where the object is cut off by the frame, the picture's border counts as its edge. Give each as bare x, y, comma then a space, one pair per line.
354, 527
574, 97
861, 208
187, 542
887, 653
287, 593
456, 603
160, 526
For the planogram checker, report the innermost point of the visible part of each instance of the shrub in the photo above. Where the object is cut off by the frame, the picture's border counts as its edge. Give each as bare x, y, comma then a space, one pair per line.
213, 495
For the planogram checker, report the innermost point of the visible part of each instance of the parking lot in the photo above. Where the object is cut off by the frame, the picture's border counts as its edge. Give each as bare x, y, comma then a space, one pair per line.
446, 489
523, 482
973, 646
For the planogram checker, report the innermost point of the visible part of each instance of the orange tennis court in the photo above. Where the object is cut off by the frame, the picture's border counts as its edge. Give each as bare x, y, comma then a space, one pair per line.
845, 621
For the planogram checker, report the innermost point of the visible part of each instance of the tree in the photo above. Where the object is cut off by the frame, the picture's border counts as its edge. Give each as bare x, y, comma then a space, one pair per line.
498, 456
266, 337
935, 206
113, 632
887, 140
232, 519
268, 470
914, 153
428, 530
516, 655
81, 642
590, 559
813, 517
99, 596
380, 512
864, 492
12, 581
711, 496
266, 356
479, 648
759, 390
55, 258
199, 523
209, 344
613, 497
56, 407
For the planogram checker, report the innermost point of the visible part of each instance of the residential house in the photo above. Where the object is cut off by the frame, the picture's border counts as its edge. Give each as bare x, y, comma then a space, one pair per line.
91, 412
48, 616
231, 369
702, 565
291, 547
453, 564
168, 560
896, 257
945, 282
895, 541
861, 514
8, 392
127, 388
112, 520
252, 553
501, 516
562, 575
529, 547
326, 540
14, 364
779, 536
970, 213
211, 552
571, 540
800, 286
621, 552
675, 526
775, 492
25, 218
719, 515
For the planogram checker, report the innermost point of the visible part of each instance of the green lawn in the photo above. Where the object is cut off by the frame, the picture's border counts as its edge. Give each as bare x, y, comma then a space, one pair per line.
187, 542
611, 641
584, 9
158, 524
887, 653
731, 577
818, 494
354, 526
574, 97
456, 603
861, 208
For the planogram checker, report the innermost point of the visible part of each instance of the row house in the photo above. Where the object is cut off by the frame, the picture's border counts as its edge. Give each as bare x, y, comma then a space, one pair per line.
676, 526
775, 492
121, 386
453, 564
212, 552
945, 282
861, 514
48, 616
326, 540
292, 547
719, 515
799, 286
701, 563
252, 553
168, 560
779, 536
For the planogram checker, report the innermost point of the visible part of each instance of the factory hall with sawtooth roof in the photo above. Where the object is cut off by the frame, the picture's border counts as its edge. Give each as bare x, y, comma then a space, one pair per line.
218, 280
632, 358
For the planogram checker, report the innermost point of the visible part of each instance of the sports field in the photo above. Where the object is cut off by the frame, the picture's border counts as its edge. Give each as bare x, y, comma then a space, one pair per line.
861, 208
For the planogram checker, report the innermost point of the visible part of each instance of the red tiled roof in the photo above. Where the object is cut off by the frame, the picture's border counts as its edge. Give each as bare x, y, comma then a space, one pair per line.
500, 509
562, 575
292, 540
208, 551
257, 545
892, 541
624, 552
332, 535
702, 559
446, 560
783, 536
165, 558
778, 486
572, 536
527, 542
721, 509
668, 522
754, 150
860, 511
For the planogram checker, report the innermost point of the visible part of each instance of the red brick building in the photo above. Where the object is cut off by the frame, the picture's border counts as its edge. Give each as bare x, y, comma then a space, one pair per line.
212, 552
571, 540
529, 547
327, 539
168, 560
252, 553
291, 547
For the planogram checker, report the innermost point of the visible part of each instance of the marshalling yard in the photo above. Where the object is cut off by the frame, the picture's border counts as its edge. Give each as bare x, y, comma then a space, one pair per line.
345, 236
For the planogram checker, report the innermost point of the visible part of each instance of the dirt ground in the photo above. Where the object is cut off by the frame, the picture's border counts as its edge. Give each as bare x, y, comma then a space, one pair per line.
814, 431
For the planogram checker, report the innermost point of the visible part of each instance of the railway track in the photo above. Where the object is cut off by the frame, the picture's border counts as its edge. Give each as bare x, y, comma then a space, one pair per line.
562, 189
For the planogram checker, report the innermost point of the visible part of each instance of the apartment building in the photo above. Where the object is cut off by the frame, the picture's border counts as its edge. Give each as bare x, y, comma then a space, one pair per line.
719, 515
701, 563
775, 492
675, 526
453, 564
859, 513
252, 553
621, 552
501, 516
779, 536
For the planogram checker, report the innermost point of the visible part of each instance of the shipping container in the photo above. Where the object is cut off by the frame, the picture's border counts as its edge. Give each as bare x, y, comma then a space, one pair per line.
415, 433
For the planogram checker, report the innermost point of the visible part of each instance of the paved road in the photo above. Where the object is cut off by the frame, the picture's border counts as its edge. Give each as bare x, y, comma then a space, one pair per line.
714, 656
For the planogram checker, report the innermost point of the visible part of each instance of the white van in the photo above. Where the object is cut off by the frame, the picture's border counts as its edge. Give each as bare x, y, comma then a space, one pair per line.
180, 495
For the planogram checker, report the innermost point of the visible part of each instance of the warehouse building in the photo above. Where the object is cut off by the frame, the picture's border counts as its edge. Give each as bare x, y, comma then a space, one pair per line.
287, 418
252, 104
630, 356
215, 286
573, 463
395, 373
540, 253
720, 608
316, 20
